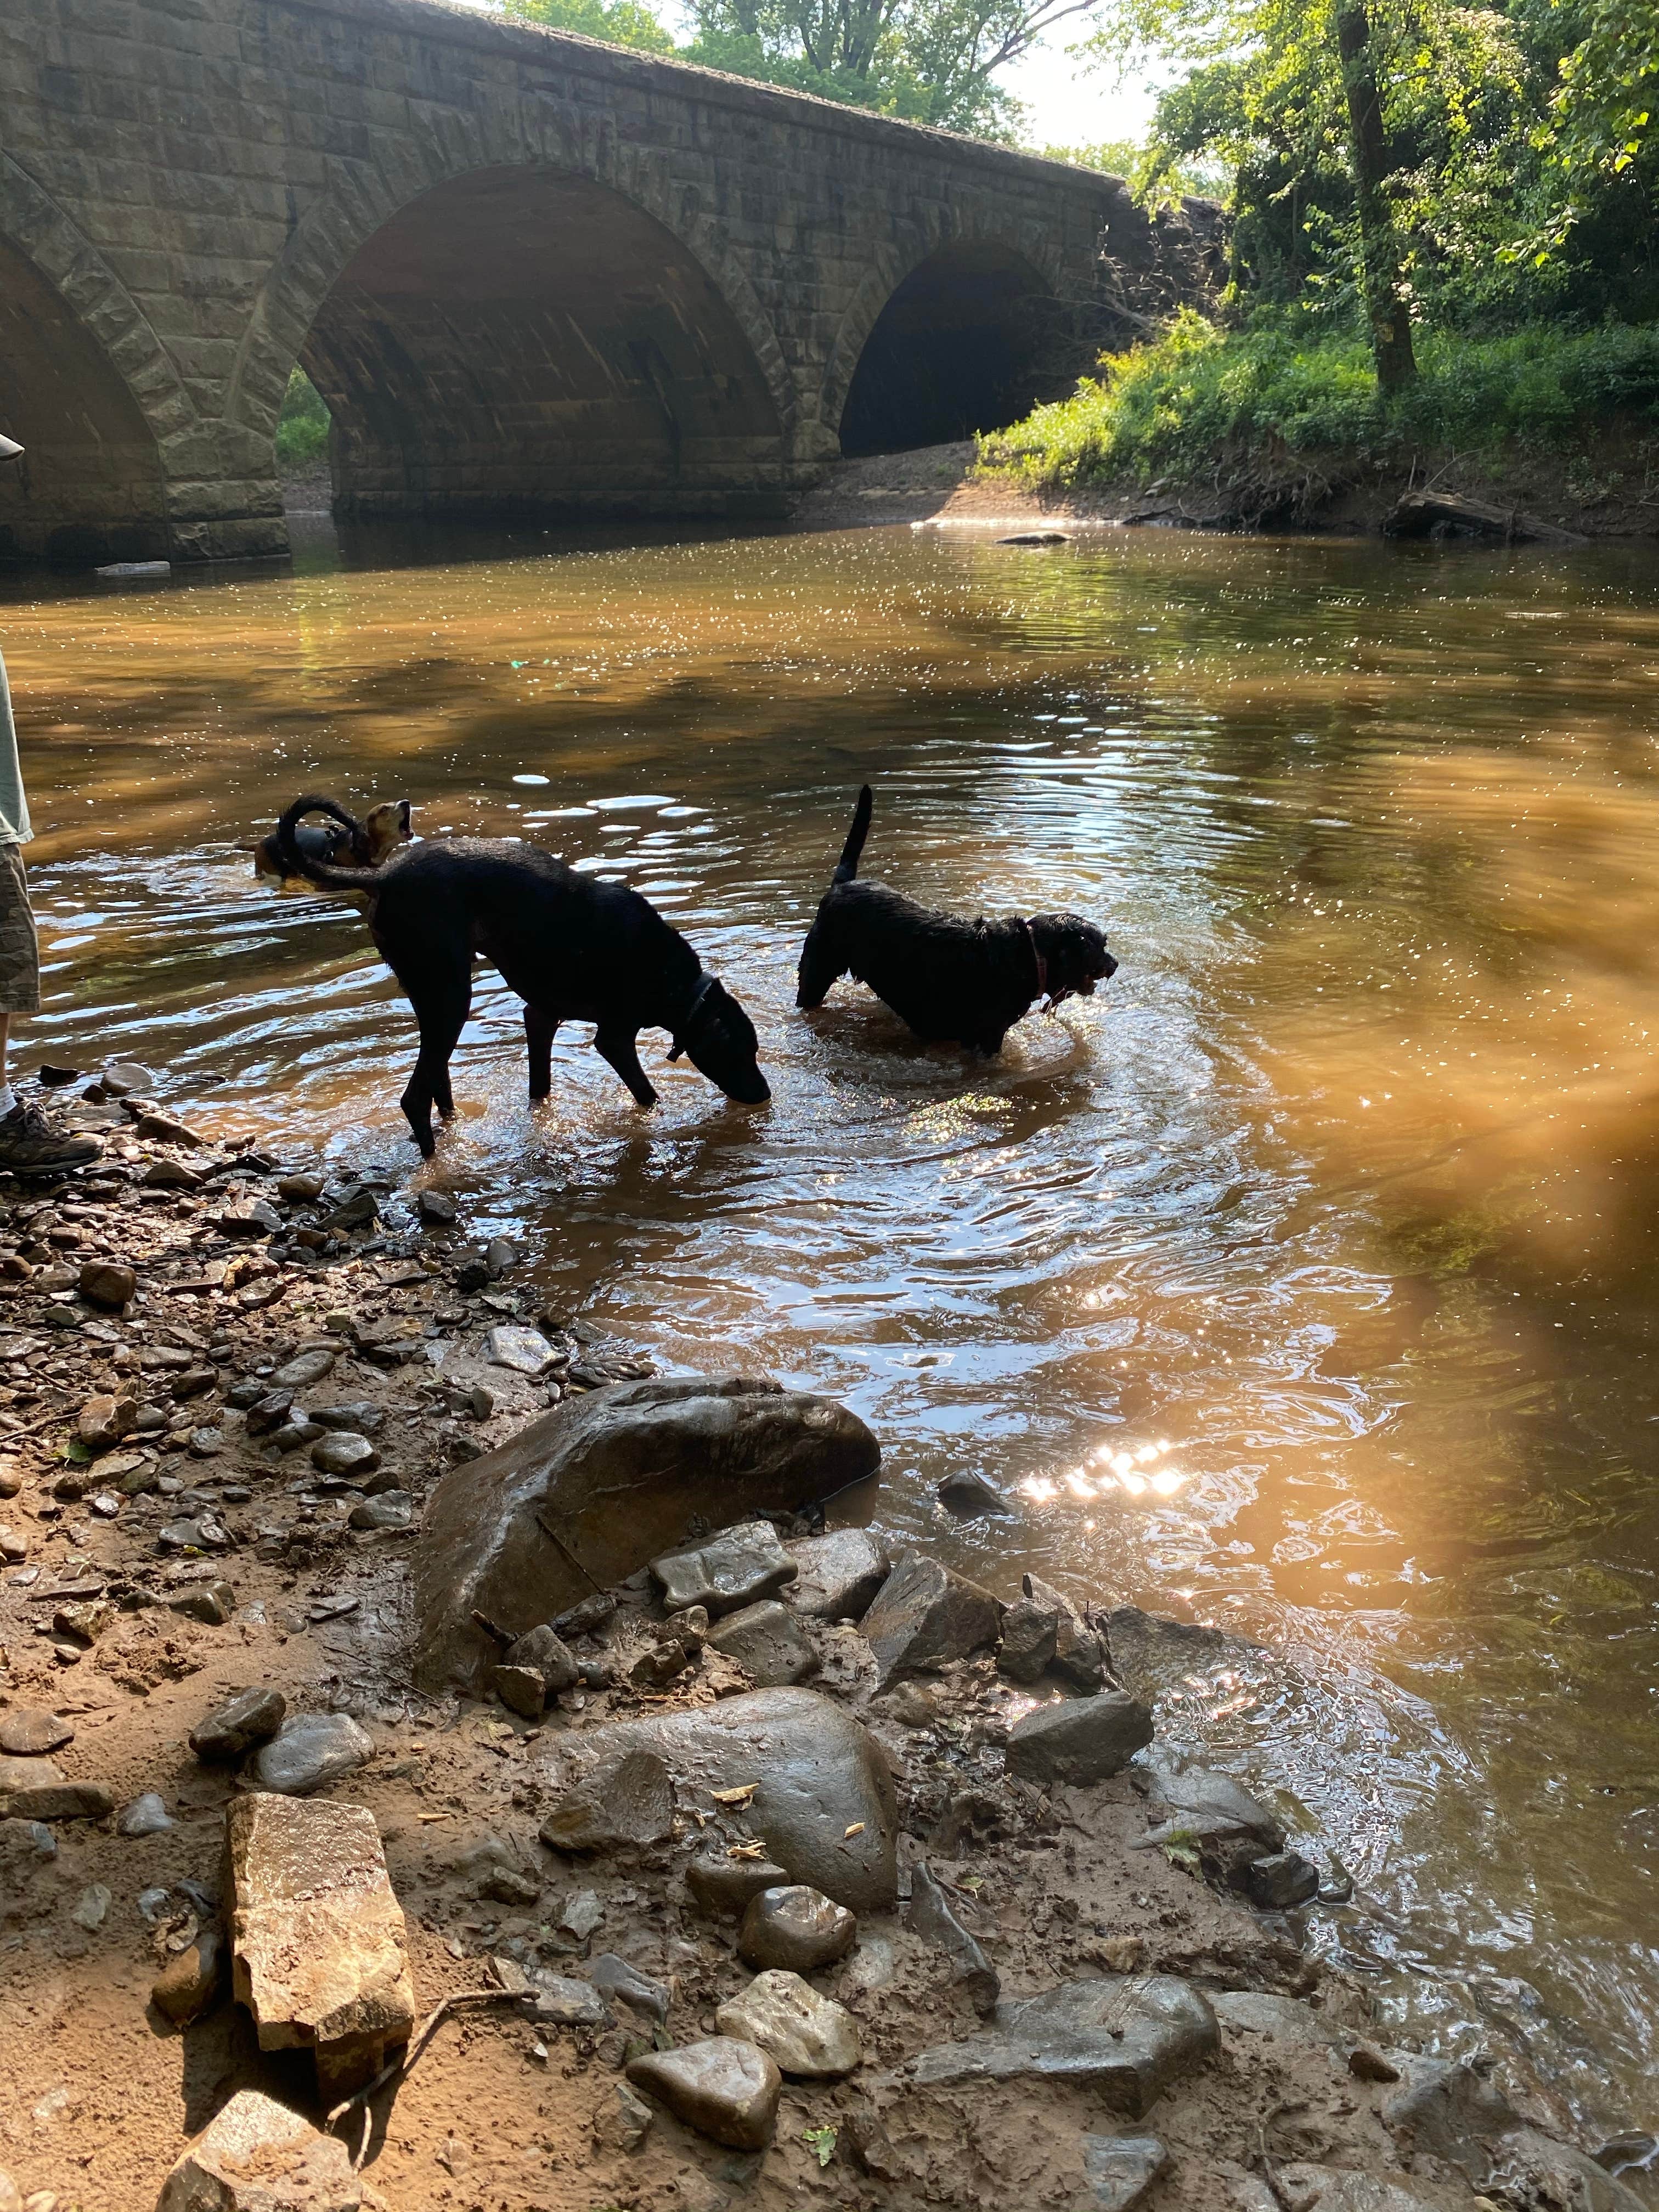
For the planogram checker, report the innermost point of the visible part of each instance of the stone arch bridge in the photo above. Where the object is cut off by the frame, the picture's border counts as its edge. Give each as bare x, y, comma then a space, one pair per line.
527, 272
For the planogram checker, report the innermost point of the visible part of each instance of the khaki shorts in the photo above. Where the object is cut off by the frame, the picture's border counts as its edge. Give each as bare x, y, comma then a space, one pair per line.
20, 949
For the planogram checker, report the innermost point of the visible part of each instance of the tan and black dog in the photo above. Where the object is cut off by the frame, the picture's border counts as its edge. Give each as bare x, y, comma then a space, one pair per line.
363, 844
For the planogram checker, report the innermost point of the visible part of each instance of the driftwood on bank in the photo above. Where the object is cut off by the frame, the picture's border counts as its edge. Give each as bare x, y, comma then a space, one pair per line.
1425, 514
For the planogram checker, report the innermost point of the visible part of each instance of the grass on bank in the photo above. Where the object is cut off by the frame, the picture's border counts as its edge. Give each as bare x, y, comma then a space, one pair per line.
302, 426
1172, 407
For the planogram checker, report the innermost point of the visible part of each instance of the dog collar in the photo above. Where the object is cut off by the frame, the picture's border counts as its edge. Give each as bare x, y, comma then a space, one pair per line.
1041, 965
682, 1027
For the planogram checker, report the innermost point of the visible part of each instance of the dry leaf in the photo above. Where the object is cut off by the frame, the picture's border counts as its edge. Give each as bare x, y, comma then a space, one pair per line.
738, 1796
857, 1829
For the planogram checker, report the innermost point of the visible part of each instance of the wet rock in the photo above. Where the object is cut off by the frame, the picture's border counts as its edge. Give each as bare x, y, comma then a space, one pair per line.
344, 1454
590, 1614
733, 1569
251, 1717
1123, 2039
258, 2156
837, 1576
250, 1218
106, 1282
628, 1802
1337, 2188
60, 1800
508, 1886
317, 1948
1119, 2170
190, 1982
103, 1421
930, 1917
436, 1209
146, 1816
581, 1915
1446, 2107
390, 1509
127, 1079
924, 1617
1259, 2012
1532, 2170
207, 1443
723, 1887
804, 2033
1203, 1806
621, 2120
767, 1642
797, 1927
304, 1369
521, 1689
656, 1668
1078, 1739
568, 2003
726, 2089
355, 1210
212, 1603
501, 1253
1149, 1650
586, 1494
823, 1803
194, 1382
362, 1415
1281, 1881
268, 1412
1042, 1629
619, 1982
300, 1189
30, 1732
544, 1649
524, 1351
171, 1175
311, 1749
971, 1497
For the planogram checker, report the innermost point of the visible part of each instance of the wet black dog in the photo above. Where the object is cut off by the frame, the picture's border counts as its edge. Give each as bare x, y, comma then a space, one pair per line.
954, 981
573, 948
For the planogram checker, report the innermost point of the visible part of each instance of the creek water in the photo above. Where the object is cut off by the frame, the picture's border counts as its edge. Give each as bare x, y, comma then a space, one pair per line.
1302, 1282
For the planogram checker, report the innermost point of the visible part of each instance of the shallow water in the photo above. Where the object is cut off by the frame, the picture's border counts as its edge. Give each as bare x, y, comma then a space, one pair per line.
1302, 1281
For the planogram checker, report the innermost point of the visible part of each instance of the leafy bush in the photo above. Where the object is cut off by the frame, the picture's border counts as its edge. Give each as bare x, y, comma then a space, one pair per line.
302, 426
1166, 408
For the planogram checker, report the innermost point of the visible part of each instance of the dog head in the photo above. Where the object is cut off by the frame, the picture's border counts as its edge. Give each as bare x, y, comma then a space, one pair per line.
366, 845
719, 1040
1074, 953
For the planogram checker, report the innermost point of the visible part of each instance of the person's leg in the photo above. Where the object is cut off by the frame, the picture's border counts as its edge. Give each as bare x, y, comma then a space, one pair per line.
30, 1142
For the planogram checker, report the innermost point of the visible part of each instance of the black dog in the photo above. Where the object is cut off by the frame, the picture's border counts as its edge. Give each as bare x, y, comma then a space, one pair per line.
573, 948
954, 982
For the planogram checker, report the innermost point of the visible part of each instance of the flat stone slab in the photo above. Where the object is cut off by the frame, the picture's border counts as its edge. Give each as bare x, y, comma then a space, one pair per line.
767, 1642
318, 1946
724, 2088
586, 1494
1124, 2037
924, 1617
1080, 1739
311, 1749
258, 2156
817, 1774
801, 2032
837, 1576
30, 1732
524, 1351
731, 1569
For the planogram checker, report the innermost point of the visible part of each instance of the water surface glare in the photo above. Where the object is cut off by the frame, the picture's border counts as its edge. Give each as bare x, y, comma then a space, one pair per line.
1302, 1282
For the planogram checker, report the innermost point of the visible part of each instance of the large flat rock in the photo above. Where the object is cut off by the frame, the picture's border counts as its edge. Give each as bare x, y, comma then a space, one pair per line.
817, 1772
586, 1494
1125, 2038
317, 1944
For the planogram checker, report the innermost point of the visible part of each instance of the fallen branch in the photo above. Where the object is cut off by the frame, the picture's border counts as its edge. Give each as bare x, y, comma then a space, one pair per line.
411, 2054
1417, 514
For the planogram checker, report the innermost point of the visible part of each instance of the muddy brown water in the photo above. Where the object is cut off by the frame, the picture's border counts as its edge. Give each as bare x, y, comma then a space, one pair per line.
1302, 1282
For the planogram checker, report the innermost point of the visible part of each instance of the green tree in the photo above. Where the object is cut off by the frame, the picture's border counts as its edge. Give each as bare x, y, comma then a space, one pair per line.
619, 23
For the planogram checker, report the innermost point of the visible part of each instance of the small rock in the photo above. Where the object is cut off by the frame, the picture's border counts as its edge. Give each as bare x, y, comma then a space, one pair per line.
629, 1802
522, 1690
212, 1603
312, 1749
1078, 1739
1281, 1881
127, 1079
766, 1642
251, 1717
436, 1208
525, 1350
923, 1618
581, 1915
723, 1887
204, 1534
621, 2120
1124, 2040
619, 1982
190, 1981
106, 1282
207, 1443
303, 1369
60, 1800
500, 1254
300, 1189
971, 1497
293, 1434
266, 1412
930, 1917
362, 1415
146, 1816
171, 1175
804, 2033
726, 2089
92, 1906
546, 1651
567, 2003
734, 1569
508, 1886
344, 1453
390, 1509
1043, 1629
656, 1668
1119, 2169
194, 1382
30, 1732
258, 2156
253, 1217
797, 1928
103, 1421
838, 1574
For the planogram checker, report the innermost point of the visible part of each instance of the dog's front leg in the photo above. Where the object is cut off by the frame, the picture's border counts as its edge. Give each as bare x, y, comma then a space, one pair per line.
539, 1031
618, 1046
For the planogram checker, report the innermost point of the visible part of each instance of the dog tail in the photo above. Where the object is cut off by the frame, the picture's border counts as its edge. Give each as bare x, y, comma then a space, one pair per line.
847, 866
326, 872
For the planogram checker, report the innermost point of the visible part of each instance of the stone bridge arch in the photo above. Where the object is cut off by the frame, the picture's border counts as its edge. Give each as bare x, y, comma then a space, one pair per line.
523, 320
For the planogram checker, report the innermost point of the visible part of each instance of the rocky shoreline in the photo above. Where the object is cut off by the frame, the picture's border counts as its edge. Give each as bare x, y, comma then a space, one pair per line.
752, 1866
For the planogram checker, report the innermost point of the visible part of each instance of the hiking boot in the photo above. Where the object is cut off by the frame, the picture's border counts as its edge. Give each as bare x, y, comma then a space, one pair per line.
32, 1143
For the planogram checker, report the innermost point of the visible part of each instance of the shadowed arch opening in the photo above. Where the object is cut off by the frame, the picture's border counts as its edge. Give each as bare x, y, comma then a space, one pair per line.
87, 488
956, 349
522, 341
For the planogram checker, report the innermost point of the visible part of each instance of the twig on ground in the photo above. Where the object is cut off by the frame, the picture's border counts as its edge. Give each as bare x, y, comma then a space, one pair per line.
411, 2054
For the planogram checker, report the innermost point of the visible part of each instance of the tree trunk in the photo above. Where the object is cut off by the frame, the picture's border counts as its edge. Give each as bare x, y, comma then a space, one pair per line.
1391, 330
